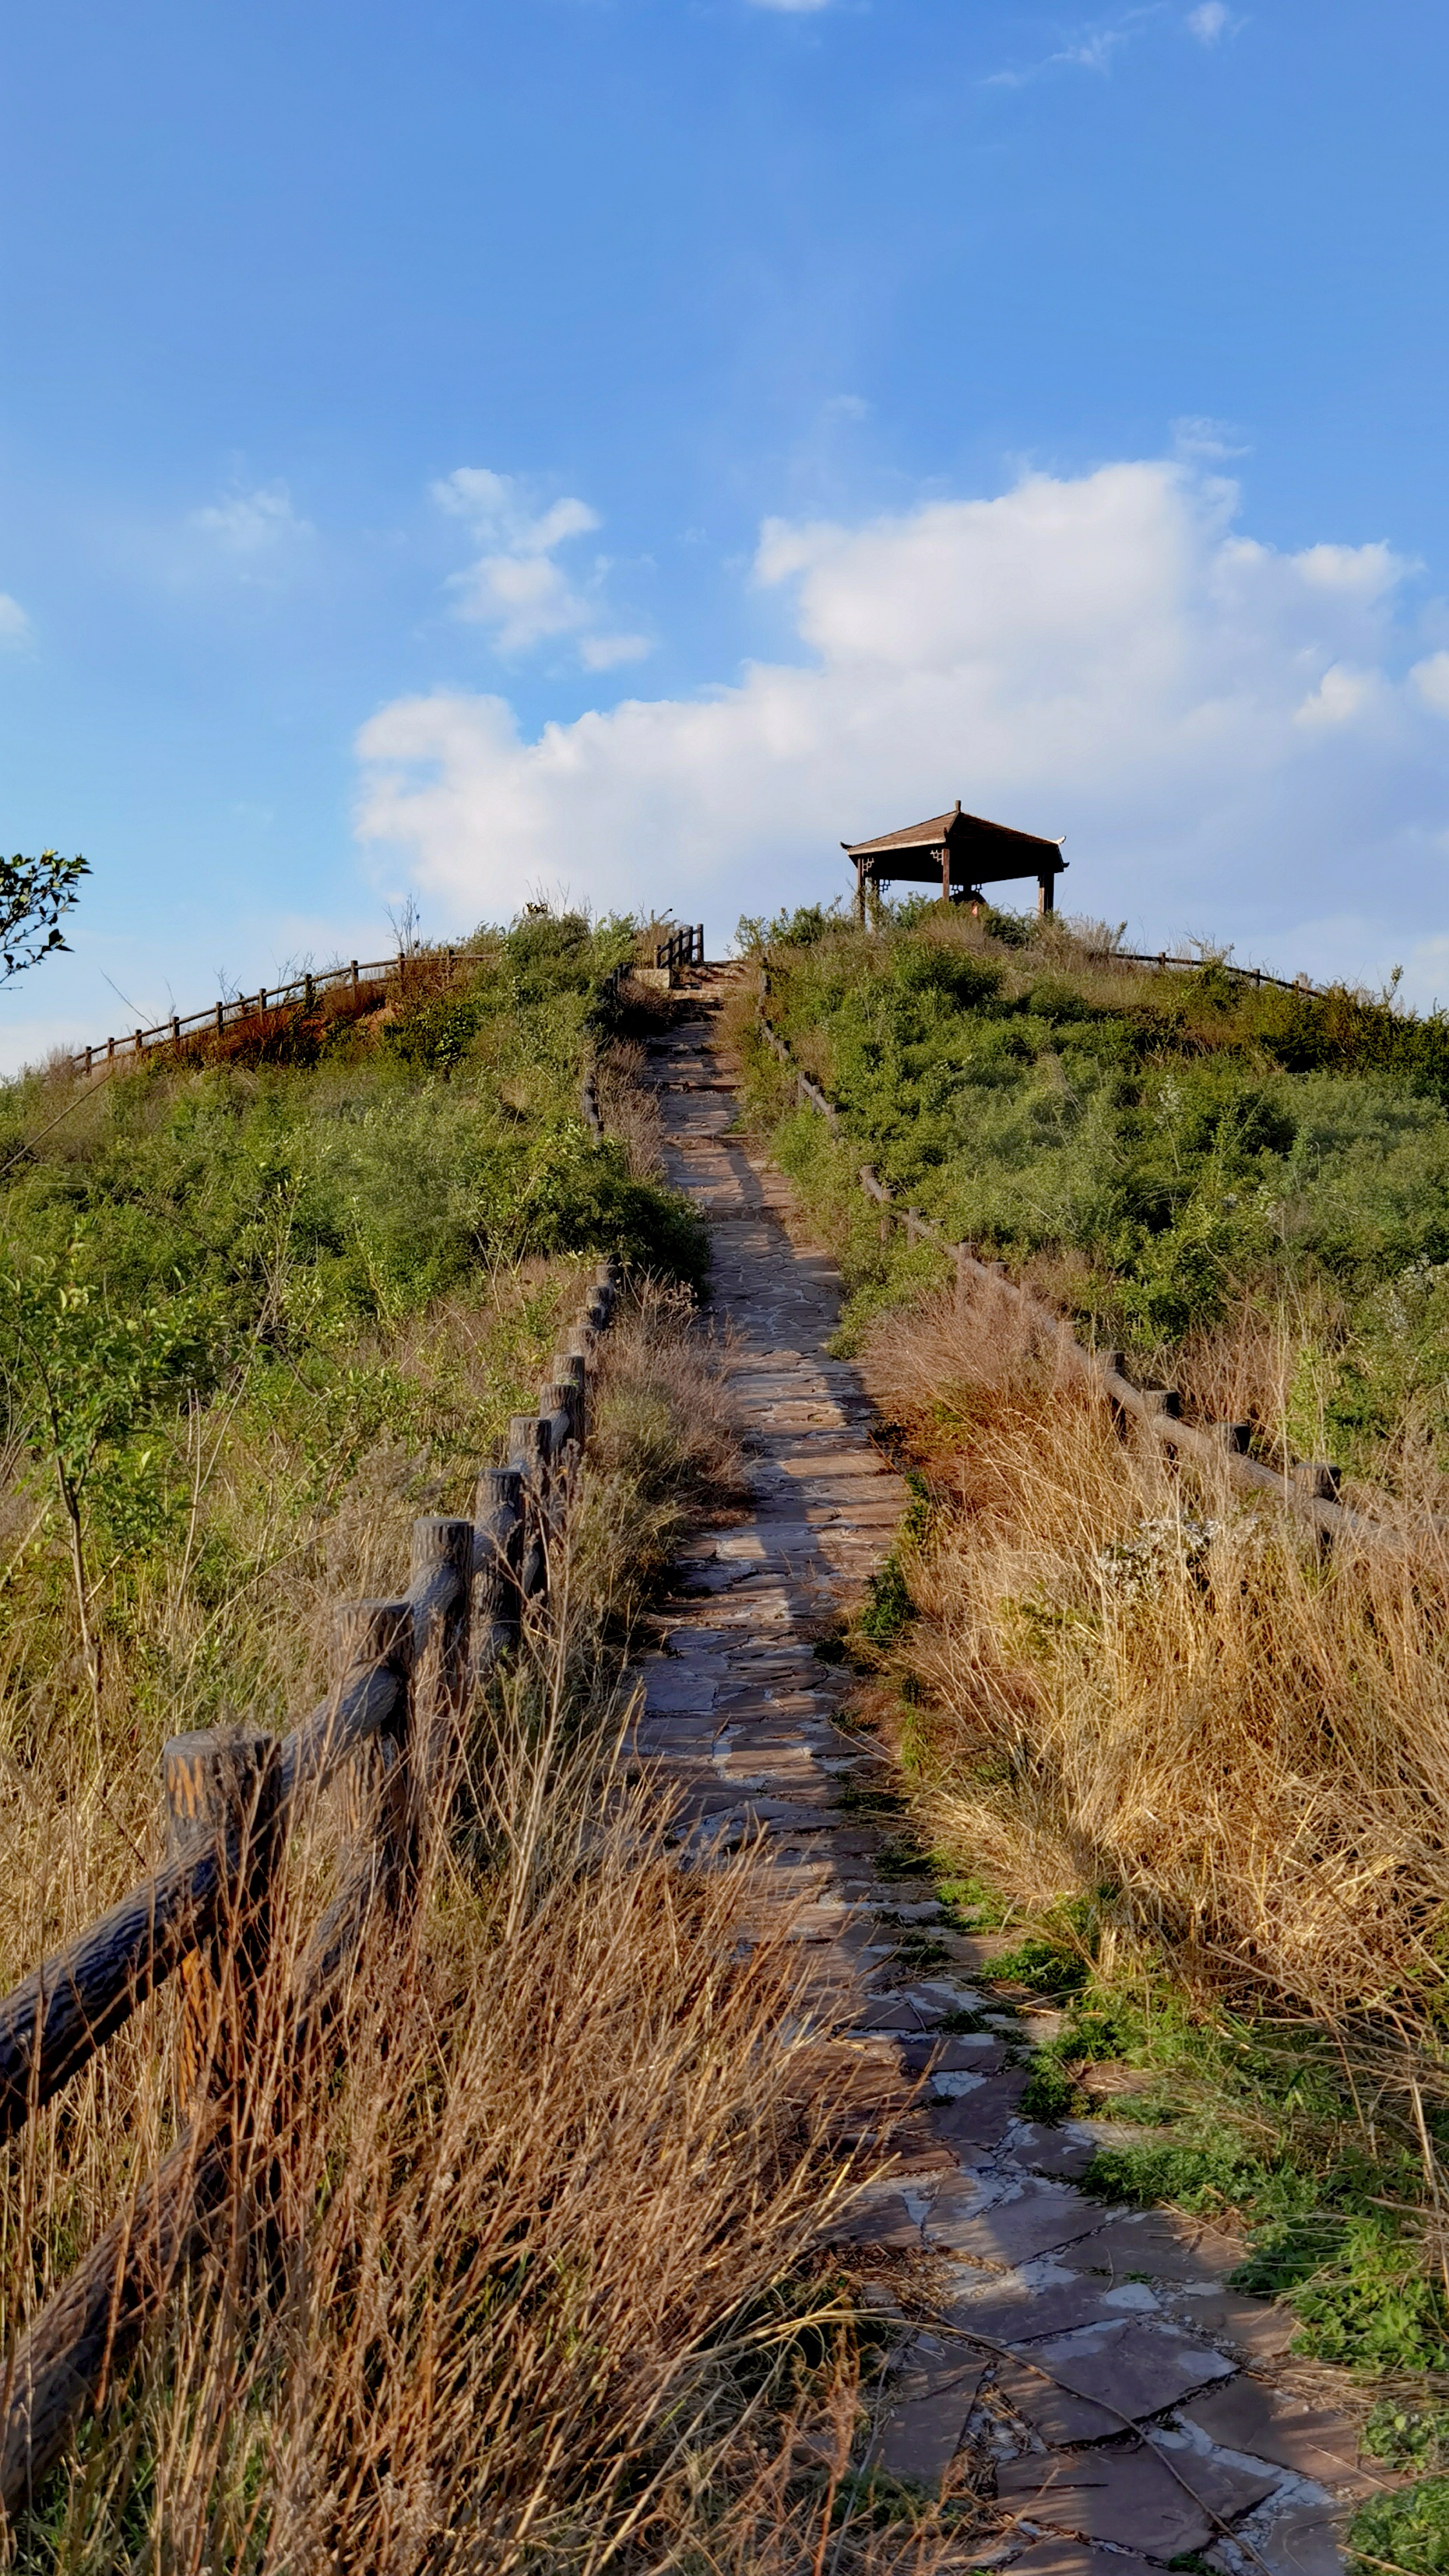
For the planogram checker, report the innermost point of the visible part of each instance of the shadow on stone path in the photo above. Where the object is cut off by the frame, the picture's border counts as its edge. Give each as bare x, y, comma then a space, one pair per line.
1126, 2394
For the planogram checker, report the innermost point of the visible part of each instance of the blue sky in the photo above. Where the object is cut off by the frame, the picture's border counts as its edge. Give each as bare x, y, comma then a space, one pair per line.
632, 445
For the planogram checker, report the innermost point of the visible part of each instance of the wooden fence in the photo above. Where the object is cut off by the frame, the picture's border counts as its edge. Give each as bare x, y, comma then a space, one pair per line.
302, 993
1309, 1486
389, 1731
682, 948
1164, 963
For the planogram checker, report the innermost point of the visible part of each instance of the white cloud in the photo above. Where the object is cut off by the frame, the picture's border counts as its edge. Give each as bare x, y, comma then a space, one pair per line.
1209, 22
1216, 726
14, 624
253, 524
1357, 572
1196, 438
606, 652
1340, 698
515, 587
1431, 680
1091, 49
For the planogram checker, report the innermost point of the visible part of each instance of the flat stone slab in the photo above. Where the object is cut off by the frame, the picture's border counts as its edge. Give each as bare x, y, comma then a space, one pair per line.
955, 2203
1252, 2327
1023, 2315
1103, 2372
1126, 2493
685, 1687
1306, 2540
1077, 2558
879, 2221
979, 2121
969, 2052
1315, 2441
922, 2433
1016, 2231
1052, 2151
898, 2013
1163, 2247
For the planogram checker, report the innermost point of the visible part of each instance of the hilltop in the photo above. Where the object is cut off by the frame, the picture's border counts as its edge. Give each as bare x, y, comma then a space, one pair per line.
1248, 1183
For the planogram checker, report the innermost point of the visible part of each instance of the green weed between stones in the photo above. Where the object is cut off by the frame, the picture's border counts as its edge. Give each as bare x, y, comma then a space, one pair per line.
1407, 2532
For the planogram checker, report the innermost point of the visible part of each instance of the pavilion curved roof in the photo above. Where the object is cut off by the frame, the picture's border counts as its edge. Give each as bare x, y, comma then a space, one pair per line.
993, 839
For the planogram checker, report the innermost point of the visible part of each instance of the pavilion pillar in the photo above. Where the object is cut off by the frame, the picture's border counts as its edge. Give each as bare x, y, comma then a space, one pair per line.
1046, 888
860, 892
946, 873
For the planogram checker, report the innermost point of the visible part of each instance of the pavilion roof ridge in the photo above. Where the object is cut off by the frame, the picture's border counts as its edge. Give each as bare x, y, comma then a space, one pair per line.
943, 827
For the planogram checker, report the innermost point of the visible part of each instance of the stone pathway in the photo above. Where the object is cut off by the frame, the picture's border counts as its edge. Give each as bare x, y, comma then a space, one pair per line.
1130, 2401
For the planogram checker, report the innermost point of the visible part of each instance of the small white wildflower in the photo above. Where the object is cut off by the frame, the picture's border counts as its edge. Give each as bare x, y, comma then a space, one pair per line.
1135, 1568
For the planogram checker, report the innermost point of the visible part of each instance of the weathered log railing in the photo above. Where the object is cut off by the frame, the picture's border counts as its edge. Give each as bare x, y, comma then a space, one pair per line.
391, 1723
1308, 1487
1165, 963
301, 993
683, 947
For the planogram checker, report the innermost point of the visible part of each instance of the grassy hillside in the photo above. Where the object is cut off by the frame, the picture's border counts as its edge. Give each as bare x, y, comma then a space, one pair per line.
1169, 1154
535, 2286
1198, 1767
240, 1295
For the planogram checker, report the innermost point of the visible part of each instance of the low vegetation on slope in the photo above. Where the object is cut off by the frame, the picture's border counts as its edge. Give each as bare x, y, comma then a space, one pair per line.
243, 1299
1168, 1153
1195, 1767
509, 2291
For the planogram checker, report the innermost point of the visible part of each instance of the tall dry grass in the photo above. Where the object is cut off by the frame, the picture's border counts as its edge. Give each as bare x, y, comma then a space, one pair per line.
1244, 1742
522, 2271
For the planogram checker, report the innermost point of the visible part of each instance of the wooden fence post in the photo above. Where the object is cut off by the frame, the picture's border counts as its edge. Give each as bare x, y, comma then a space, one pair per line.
222, 1786
496, 1600
365, 1636
568, 1372
1317, 1478
441, 1566
528, 1452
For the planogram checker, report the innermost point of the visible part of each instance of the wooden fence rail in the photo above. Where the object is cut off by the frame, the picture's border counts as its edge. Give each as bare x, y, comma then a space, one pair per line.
302, 992
1308, 1487
682, 948
1257, 976
390, 1722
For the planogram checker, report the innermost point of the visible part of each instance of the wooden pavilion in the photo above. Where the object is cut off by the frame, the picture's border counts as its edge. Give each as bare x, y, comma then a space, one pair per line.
959, 852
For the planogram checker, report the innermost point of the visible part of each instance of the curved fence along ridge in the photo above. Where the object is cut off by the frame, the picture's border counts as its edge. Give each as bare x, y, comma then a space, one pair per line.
1308, 1487
302, 993
682, 948
402, 1672
1257, 976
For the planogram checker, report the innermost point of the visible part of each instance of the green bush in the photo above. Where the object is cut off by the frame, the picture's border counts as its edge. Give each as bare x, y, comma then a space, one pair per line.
1409, 2531
1188, 1139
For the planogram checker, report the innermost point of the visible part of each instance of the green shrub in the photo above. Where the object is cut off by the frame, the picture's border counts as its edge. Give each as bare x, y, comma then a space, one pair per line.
1409, 2531
888, 1606
1188, 1139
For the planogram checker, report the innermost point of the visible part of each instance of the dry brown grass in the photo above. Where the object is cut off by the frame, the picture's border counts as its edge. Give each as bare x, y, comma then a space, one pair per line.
499, 2290
1251, 1744
630, 1108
